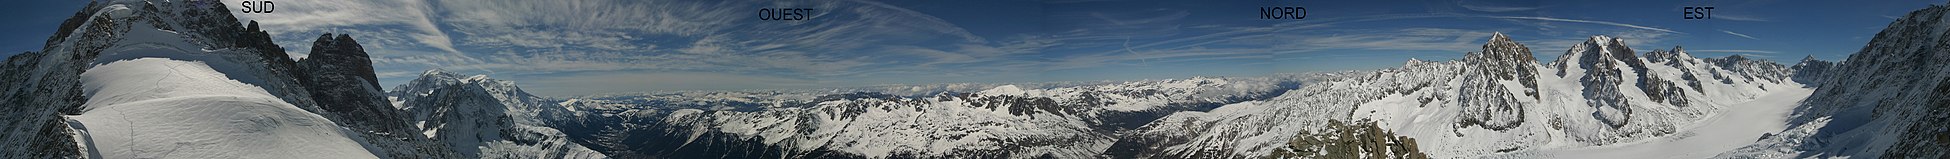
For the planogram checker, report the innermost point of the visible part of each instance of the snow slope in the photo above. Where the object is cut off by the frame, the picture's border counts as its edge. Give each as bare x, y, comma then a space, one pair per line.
166, 108
1731, 128
154, 91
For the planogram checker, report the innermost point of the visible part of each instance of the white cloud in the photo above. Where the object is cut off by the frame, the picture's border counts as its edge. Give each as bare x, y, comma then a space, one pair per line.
1730, 32
1491, 6
1438, 39
1739, 17
393, 31
1587, 21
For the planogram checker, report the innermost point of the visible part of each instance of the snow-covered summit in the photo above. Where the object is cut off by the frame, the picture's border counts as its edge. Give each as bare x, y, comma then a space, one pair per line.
484, 117
1486, 99
203, 84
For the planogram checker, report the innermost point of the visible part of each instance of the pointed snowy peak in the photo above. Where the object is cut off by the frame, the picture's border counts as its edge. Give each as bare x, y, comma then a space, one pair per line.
438, 73
1811, 61
1505, 59
426, 83
436, 79
1598, 52
1677, 57
1487, 102
1811, 71
1607, 69
528, 107
477, 116
1681, 53
1496, 37
1501, 48
441, 78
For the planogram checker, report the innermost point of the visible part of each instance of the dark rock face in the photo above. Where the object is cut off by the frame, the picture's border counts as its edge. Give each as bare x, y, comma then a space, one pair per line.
1484, 99
1505, 59
1356, 140
341, 56
1812, 72
1670, 91
1894, 89
340, 77
34, 99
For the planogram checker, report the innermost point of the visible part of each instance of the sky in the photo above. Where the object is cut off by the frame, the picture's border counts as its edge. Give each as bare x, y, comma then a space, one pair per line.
576, 47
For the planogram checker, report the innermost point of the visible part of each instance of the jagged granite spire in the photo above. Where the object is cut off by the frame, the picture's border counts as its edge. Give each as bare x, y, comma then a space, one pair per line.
1598, 59
1676, 57
340, 77
1507, 60
340, 56
1484, 99
1603, 62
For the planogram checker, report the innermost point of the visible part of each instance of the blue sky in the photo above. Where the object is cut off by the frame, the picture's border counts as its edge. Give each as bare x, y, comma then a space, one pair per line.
572, 47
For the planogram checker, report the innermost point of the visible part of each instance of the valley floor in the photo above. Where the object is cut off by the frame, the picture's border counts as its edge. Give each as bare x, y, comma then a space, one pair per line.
1733, 127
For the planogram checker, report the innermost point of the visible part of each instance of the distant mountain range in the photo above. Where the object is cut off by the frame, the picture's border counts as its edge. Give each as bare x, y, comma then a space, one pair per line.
153, 79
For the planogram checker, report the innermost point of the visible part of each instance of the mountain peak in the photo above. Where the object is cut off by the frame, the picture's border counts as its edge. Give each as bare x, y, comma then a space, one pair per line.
1489, 103
1600, 39
438, 73
474, 115
1501, 48
1737, 57
1599, 49
1498, 36
340, 56
1676, 57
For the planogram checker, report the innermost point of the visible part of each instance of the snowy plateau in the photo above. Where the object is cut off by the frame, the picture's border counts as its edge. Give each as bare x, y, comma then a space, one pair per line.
161, 79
